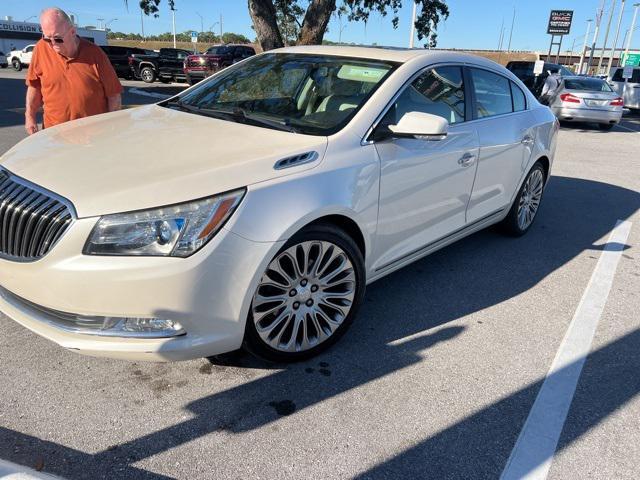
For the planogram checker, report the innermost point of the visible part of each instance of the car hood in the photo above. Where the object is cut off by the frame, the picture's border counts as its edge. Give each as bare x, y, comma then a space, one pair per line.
152, 156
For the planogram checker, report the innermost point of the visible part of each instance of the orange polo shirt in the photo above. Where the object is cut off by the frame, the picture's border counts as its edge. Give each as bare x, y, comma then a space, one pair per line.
72, 87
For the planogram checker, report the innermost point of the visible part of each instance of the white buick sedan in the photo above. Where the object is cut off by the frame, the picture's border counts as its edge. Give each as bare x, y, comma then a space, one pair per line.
252, 209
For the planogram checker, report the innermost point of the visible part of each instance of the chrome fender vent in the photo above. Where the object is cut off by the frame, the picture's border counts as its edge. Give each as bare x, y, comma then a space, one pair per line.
296, 160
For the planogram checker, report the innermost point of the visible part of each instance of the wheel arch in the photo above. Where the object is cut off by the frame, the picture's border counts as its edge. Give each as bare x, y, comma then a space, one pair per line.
344, 223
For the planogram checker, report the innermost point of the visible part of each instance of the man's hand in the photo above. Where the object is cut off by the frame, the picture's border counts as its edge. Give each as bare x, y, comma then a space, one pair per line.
34, 102
31, 126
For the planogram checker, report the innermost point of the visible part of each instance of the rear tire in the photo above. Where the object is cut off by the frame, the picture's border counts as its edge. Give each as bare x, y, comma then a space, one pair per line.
16, 64
321, 275
525, 207
148, 75
606, 126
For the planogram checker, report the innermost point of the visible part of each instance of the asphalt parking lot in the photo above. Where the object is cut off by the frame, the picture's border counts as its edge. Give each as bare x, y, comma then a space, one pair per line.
436, 378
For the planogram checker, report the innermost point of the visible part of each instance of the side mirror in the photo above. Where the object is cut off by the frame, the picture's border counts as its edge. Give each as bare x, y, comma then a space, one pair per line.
423, 126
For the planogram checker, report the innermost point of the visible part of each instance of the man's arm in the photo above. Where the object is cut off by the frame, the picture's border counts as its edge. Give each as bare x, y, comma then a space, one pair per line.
114, 102
33, 104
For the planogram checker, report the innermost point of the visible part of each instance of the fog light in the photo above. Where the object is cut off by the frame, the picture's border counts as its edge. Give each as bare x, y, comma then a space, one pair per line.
151, 325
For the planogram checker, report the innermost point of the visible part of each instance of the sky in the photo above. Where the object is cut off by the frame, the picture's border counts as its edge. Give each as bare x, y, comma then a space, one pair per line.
471, 23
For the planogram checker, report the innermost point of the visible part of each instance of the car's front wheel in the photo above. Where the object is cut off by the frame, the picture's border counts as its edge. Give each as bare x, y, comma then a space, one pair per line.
525, 207
307, 297
16, 64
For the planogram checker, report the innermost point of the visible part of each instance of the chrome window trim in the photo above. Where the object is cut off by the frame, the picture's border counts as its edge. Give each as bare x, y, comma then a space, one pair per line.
364, 141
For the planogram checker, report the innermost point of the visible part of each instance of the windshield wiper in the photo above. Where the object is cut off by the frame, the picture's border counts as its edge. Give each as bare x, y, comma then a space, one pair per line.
240, 115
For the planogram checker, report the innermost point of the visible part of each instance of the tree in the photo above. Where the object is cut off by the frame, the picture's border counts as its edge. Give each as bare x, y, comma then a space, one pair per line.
277, 22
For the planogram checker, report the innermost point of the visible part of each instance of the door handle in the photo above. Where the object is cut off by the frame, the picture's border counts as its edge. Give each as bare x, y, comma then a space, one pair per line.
527, 140
467, 159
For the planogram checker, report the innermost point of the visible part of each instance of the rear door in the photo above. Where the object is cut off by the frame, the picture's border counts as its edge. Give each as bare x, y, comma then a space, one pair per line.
506, 138
628, 89
425, 184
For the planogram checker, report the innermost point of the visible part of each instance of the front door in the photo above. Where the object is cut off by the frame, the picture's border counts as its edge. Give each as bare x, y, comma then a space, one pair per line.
425, 184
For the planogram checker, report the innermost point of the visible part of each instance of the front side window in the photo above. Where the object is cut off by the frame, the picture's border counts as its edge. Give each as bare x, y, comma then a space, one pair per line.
312, 94
30, 49
439, 91
493, 94
221, 50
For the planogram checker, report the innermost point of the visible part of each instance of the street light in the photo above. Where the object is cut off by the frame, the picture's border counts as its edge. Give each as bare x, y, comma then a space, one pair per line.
631, 29
615, 42
584, 47
106, 25
201, 23
173, 24
32, 16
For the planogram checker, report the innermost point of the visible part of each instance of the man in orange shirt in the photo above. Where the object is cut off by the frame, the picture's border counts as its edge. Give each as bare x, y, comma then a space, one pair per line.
72, 77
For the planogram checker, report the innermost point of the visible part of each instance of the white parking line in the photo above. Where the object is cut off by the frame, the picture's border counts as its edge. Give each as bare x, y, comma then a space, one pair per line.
533, 453
160, 96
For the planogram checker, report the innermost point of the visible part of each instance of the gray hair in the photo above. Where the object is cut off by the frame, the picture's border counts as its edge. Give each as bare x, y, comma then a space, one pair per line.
59, 14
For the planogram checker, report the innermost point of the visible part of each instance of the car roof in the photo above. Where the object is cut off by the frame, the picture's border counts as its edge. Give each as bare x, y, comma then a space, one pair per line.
393, 54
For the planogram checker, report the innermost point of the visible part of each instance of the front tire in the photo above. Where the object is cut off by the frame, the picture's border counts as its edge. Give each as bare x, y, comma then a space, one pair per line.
308, 296
16, 64
148, 75
525, 206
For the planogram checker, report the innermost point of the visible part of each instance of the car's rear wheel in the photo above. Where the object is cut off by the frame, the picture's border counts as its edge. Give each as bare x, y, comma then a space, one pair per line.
606, 126
16, 64
525, 207
307, 297
147, 74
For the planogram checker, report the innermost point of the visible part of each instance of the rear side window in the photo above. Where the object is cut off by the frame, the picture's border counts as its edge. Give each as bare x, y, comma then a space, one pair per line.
438, 91
519, 102
493, 93
617, 77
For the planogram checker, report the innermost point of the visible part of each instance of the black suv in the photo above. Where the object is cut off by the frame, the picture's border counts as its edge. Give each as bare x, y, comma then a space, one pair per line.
120, 58
524, 71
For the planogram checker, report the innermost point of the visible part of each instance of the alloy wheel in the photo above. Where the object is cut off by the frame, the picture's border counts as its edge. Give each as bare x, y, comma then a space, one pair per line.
530, 199
304, 296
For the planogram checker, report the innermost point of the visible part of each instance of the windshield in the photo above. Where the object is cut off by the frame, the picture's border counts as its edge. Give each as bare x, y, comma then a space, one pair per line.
587, 84
311, 94
219, 50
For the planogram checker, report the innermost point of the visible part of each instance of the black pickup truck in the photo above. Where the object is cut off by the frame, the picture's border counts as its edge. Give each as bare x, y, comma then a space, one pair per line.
120, 58
165, 65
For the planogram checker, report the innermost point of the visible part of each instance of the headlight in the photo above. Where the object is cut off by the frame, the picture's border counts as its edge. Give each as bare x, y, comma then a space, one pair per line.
176, 231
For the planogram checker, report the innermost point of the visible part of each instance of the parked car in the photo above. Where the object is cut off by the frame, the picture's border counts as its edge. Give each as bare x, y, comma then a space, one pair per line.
200, 66
165, 65
300, 176
21, 58
524, 71
3, 60
587, 99
628, 89
120, 58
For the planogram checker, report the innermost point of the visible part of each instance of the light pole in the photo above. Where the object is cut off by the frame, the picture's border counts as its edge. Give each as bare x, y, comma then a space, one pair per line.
615, 42
595, 35
173, 25
412, 32
142, 23
631, 29
511, 33
584, 47
201, 23
606, 35
100, 23
106, 25
32, 16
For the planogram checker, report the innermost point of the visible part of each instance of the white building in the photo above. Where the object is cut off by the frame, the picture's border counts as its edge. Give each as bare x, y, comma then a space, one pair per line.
16, 35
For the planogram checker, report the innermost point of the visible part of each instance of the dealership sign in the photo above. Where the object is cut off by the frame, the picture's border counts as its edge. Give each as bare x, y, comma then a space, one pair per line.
560, 22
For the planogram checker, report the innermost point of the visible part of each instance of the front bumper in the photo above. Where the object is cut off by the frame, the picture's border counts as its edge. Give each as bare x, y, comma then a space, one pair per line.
587, 115
209, 294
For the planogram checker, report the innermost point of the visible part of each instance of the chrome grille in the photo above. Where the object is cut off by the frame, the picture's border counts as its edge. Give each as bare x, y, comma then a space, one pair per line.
31, 220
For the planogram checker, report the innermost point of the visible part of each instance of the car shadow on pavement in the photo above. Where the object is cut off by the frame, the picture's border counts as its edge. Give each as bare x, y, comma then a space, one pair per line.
404, 314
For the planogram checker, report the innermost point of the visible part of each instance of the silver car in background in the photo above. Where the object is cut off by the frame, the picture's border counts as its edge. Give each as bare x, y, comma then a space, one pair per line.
587, 99
628, 89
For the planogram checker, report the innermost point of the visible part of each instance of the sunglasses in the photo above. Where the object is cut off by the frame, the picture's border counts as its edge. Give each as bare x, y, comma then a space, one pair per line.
53, 40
